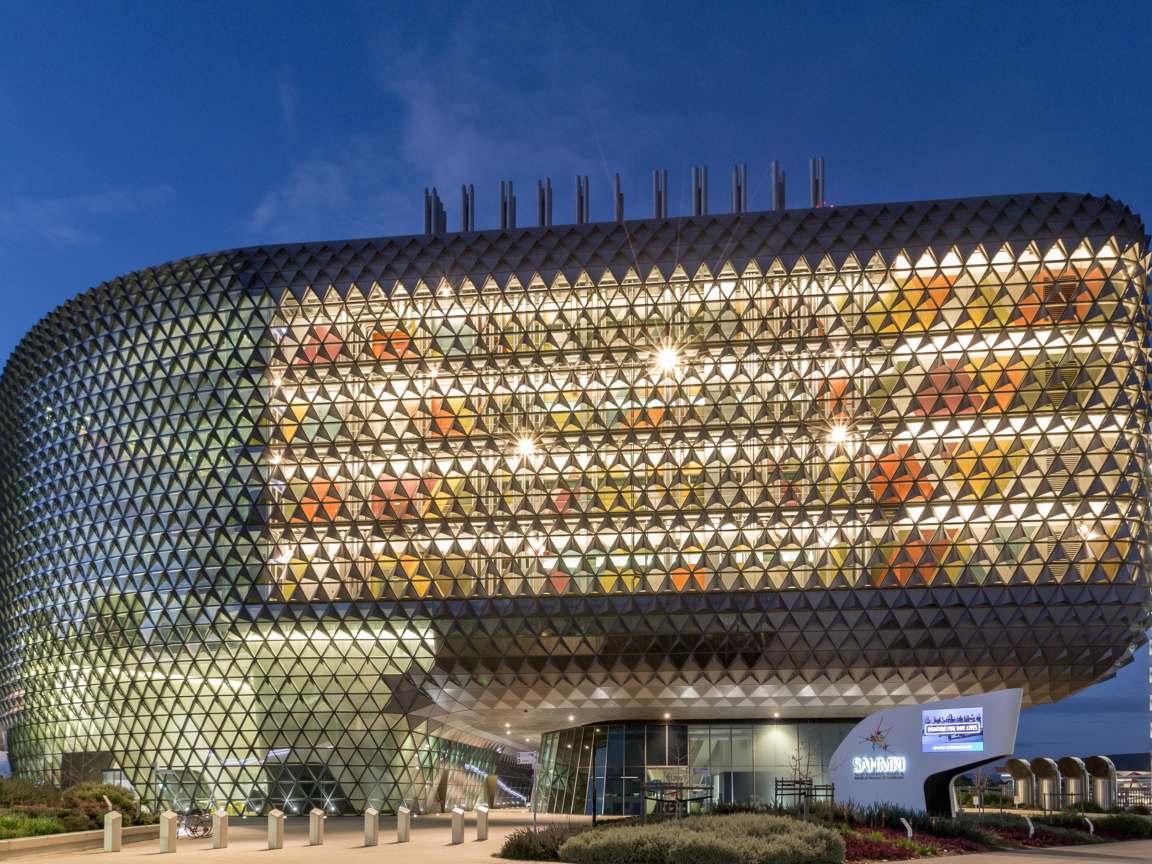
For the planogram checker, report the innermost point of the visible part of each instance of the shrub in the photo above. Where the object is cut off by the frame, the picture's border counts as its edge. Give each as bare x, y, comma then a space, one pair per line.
1127, 825
14, 792
88, 799
735, 839
16, 825
1071, 821
73, 821
524, 844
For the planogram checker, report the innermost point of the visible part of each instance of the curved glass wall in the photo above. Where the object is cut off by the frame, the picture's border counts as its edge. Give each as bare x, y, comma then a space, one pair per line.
721, 762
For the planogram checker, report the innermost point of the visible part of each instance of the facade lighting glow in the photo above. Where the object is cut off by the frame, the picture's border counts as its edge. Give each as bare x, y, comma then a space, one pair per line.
301, 518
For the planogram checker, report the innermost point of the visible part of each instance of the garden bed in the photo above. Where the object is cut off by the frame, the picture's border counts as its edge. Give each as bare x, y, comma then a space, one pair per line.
39, 810
833, 834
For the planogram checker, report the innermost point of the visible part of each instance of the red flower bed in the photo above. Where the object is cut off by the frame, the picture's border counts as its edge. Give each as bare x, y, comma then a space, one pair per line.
952, 845
858, 848
862, 844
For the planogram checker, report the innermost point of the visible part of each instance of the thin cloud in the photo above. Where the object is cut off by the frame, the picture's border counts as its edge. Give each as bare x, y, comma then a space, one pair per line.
286, 96
346, 193
73, 220
466, 116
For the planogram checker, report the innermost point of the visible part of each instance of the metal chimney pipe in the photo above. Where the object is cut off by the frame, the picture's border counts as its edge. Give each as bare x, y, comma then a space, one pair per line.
507, 206
816, 176
467, 207
617, 199
740, 188
441, 213
699, 190
583, 209
660, 193
435, 216
544, 202
778, 193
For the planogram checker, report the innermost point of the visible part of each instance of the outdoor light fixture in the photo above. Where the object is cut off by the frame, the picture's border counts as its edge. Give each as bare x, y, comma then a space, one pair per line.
571, 718
525, 447
838, 434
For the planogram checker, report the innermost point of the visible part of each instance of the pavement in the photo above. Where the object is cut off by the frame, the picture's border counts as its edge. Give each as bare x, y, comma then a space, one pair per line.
1125, 852
430, 837
343, 841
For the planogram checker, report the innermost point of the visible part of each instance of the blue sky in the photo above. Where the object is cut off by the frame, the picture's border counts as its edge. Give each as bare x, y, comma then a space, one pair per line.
134, 133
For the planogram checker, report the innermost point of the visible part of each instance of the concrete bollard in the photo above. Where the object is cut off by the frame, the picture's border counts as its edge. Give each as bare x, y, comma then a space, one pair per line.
315, 827
371, 827
168, 821
220, 829
276, 829
457, 825
482, 822
113, 824
403, 824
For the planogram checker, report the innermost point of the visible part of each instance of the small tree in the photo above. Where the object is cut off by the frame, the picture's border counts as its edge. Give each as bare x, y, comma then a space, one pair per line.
801, 764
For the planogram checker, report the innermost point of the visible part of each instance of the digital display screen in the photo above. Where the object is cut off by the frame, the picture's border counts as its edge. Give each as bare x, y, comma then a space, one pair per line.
952, 730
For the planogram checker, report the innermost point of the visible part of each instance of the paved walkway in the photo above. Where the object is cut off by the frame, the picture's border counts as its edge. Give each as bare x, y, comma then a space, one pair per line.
343, 839
429, 845
1127, 852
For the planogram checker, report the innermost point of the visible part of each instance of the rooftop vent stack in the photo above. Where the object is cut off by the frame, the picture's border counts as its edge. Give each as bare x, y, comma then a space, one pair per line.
435, 216
699, 190
583, 210
617, 199
507, 206
740, 188
777, 186
467, 207
544, 202
660, 193
816, 172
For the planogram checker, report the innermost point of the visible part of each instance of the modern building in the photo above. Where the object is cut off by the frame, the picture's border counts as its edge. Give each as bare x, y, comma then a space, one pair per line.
674, 499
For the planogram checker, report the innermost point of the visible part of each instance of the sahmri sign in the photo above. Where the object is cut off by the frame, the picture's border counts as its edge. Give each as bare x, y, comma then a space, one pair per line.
910, 755
872, 767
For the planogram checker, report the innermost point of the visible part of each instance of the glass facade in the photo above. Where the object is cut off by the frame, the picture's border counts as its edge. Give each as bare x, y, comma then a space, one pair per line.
722, 762
351, 517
